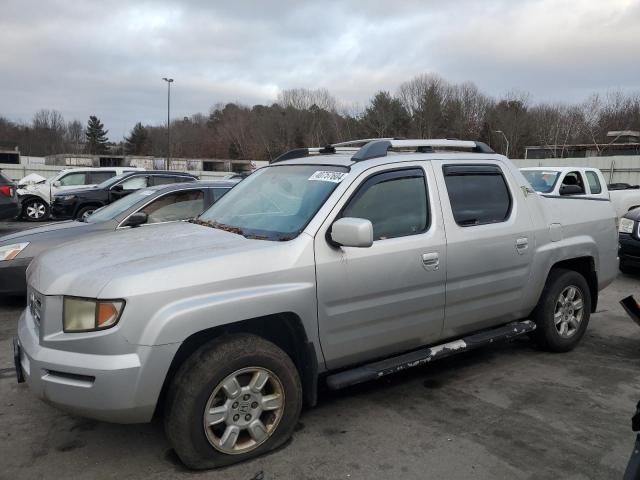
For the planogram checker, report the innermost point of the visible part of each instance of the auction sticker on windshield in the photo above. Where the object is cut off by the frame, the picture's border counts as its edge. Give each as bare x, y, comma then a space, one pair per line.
327, 176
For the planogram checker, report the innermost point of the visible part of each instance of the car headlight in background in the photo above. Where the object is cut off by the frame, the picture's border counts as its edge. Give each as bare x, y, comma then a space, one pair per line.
65, 198
626, 225
9, 252
85, 314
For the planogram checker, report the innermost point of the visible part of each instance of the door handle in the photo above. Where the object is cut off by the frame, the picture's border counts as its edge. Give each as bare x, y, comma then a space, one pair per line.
522, 244
431, 261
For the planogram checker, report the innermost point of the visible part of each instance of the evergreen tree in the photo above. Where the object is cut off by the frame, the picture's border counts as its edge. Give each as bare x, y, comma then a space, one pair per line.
136, 142
96, 136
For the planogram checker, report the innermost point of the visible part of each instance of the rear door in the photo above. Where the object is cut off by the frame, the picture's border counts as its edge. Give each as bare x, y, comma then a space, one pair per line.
489, 244
389, 297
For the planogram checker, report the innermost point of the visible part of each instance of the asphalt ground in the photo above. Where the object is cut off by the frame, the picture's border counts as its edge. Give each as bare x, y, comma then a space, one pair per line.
508, 411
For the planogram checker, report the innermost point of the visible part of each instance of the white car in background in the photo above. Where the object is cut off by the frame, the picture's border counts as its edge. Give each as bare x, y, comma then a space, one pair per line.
580, 182
36, 196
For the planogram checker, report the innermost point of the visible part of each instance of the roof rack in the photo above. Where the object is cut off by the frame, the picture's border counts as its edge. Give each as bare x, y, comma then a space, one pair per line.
378, 147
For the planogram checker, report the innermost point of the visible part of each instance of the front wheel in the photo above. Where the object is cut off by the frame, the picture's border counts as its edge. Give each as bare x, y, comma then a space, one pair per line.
83, 213
563, 311
233, 399
35, 210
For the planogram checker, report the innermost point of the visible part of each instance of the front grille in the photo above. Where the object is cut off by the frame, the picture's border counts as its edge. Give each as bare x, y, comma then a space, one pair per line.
35, 306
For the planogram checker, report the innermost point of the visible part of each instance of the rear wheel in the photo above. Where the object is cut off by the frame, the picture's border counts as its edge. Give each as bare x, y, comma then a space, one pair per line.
35, 210
563, 311
233, 399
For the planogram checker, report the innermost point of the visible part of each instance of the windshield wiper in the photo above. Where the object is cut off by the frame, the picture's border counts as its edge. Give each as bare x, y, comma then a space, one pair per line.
219, 226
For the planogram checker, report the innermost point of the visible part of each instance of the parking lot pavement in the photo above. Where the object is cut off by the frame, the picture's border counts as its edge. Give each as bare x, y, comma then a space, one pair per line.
12, 226
508, 411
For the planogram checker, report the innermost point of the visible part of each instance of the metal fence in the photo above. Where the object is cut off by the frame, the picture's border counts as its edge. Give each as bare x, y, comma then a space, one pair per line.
620, 168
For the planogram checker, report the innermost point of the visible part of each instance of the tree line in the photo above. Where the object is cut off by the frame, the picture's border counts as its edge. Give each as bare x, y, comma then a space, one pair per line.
426, 106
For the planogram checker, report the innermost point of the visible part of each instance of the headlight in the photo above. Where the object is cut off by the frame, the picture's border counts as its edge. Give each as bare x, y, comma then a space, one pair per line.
9, 252
85, 315
66, 198
626, 225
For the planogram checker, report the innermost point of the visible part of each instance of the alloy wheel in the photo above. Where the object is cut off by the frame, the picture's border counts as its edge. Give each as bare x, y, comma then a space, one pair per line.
569, 311
244, 410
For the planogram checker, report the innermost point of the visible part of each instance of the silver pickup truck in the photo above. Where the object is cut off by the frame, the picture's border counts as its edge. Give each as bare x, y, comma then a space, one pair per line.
339, 264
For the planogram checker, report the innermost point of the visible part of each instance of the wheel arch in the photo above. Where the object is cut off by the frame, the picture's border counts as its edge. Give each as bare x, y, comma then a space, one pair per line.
92, 203
285, 330
585, 266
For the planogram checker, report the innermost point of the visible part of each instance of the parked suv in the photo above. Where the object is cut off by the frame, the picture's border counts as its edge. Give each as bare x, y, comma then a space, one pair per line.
83, 202
36, 198
9, 203
340, 267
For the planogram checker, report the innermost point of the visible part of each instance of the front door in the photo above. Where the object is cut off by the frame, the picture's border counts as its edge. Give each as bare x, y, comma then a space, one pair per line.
388, 298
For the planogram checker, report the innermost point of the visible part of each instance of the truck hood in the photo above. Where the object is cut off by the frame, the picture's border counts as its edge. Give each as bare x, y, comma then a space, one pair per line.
146, 257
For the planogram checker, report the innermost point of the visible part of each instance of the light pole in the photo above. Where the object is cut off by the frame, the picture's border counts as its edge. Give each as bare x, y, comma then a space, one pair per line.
506, 153
169, 82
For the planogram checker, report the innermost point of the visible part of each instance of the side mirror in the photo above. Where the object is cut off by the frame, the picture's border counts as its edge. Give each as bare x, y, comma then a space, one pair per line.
352, 232
571, 190
136, 219
57, 183
117, 188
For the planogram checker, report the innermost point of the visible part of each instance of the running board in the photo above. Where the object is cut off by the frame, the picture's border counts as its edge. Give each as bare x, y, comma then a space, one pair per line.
416, 358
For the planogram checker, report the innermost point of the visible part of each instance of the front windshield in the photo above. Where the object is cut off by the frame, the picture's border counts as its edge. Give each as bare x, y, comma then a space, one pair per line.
110, 181
542, 181
114, 209
274, 203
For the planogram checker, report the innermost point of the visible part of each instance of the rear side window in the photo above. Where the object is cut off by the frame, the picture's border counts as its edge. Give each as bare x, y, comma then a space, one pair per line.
594, 182
218, 193
478, 194
99, 177
395, 203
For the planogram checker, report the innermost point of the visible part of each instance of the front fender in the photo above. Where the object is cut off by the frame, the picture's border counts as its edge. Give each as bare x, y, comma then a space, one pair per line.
178, 320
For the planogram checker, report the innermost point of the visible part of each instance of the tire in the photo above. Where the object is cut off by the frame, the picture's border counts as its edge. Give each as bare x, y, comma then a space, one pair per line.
197, 387
85, 211
35, 209
550, 314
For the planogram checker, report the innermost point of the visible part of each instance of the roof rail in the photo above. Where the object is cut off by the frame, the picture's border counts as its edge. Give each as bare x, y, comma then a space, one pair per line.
378, 147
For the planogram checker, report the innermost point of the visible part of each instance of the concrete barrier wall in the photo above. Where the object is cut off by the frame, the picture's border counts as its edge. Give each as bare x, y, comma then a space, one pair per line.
16, 172
620, 168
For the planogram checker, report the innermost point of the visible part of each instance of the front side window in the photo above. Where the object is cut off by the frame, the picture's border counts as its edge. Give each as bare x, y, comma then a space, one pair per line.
175, 206
542, 181
395, 203
73, 179
594, 182
478, 194
135, 183
275, 203
120, 206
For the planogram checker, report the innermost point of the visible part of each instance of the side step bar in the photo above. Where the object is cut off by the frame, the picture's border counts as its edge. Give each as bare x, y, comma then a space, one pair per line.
416, 358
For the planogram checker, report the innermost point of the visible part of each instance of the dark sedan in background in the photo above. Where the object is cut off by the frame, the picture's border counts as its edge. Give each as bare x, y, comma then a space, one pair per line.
629, 241
9, 203
83, 202
161, 204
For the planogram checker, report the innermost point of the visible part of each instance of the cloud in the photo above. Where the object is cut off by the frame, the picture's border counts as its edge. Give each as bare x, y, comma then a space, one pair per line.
108, 58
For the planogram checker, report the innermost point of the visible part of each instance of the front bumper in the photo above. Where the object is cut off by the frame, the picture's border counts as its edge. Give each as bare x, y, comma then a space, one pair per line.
13, 276
629, 250
63, 210
114, 388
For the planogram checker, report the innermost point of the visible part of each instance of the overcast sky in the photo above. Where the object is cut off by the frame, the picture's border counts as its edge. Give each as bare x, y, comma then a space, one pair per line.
108, 58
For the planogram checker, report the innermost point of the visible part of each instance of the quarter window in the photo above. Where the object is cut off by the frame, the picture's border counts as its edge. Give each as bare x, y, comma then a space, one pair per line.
395, 203
594, 182
478, 194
